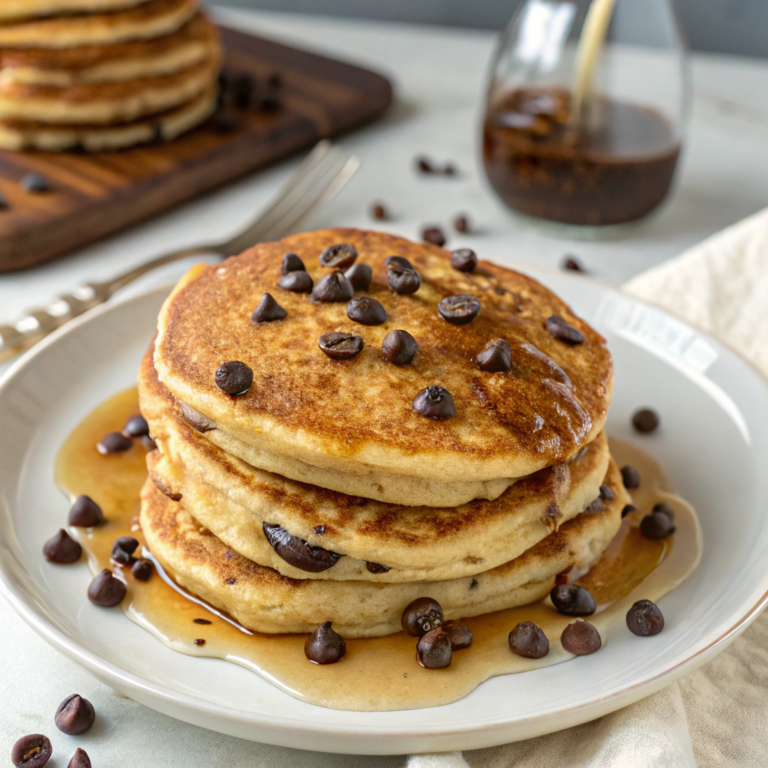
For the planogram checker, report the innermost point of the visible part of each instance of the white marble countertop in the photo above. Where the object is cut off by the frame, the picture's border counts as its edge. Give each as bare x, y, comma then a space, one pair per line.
439, 78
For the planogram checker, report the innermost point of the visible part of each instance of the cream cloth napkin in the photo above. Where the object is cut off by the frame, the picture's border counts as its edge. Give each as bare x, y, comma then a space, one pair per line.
717, 715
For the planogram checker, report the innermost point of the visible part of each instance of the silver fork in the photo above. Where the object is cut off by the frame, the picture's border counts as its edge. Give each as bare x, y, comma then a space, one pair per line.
318, 179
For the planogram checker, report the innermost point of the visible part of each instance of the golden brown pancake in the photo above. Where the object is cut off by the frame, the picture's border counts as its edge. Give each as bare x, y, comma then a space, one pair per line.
357, 415
13, 10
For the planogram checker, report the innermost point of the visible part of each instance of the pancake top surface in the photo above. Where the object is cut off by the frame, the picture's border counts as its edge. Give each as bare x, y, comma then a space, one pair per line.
552, 402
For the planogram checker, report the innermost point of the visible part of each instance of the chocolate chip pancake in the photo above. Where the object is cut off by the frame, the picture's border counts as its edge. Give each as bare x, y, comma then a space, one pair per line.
363, 414
11, 10
265, 601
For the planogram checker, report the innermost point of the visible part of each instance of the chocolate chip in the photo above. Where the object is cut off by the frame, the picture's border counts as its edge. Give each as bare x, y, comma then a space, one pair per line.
136, 426
199, 642
114, 442
665, 509
366, 311
333, 287
596, 506
433, 235
292, 263
202, 621
460, 636
319, 530
423, 165
148, 443
80, 759
123, 549
644, 619
325, 645
226, 122
35, 183
399, 347
105, 590
581, 638
297, 552
198, 420
268, 311
85, 513
360, 276
628, 510
422, 615
527, 640
230, 581
398, 261
464, 260
379, 212
434, 651
341, 256
573, 600
75, 715
645, 421
234, 378
434, 402
376, 568
558, 328
32, 751
62, 549
403, 280
496, 357
461, 224
460, 309
341, 346
143, 569
571, 264
297, 282
606, 492
630, 477
656, 526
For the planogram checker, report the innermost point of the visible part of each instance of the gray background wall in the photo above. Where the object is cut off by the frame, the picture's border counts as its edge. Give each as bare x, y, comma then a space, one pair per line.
723, 26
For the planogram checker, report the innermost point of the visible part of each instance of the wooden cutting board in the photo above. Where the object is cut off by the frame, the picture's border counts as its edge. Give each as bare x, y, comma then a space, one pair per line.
95, 195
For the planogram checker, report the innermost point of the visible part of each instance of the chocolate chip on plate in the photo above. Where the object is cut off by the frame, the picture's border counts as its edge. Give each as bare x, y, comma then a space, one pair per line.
433, 235
434, 651
85, 513
423, 164
460, 309
460, 636
360, 276
199, 421
630, 477
114, 442
434, 402
421, 616
292, 263
379, 212
105, 590
366, 311
62, 549
333, 287
32, 751
581, 638
80, 759
268, 311
656, 525
645, 421
571, 264
75, 715
403, 280
325, 645
143, 569
573, 600
558, 328
376, 568
136, 426
297, 552
297, 282
665, 509
234, 378
461, 224
496, 357
399, 347
464, 260
341, 256
35, 183
528, 640
644, 619
341, 346
123, 549
628, 510
606, 492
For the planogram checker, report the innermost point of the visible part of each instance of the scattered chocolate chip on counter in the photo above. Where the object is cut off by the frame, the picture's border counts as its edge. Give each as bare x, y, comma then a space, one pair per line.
75, 715
62, 549
105, 590
434, 402
645, 619
325, 645
645, 421
581, 638
31, 751
80, 759
528, 640
421, 616
573, 600
341, 346
234, 378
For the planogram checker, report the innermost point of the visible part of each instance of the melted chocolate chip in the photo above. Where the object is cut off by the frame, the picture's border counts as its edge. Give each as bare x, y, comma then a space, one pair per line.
459, 635
645, 421
573, 600
399, 347
62, 549
123, 549
296, 282
434, 402
333, 287
528, 640
360, 276
496, 357
376, 568
558, 328
32, 751
461, 224
341, 346
85, 513
341, 256
464, 260
665, 509
581, 638
325, 645
460, 309
143, 569
379, 212
366, 311
434, 651
105, 590
628, 510
75, 715
644, 619
433, 235
656, 526
291, 263
234, 378
401, 279
163, 487
606, 492
196, 419
114, 442
421, 616
630, 477
80, 759
136, 426
297, 552
268, 311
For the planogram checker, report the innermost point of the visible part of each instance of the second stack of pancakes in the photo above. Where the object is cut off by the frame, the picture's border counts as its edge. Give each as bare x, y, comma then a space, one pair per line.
324, 492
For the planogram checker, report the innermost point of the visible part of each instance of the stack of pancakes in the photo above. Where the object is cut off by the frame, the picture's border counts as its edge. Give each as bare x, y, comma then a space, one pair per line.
322, 495
103, 74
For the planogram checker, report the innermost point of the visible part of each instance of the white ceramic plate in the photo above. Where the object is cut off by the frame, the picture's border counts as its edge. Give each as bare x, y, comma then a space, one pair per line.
714, 445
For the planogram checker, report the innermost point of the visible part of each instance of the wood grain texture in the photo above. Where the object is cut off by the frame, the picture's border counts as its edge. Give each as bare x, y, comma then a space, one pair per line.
95, 195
